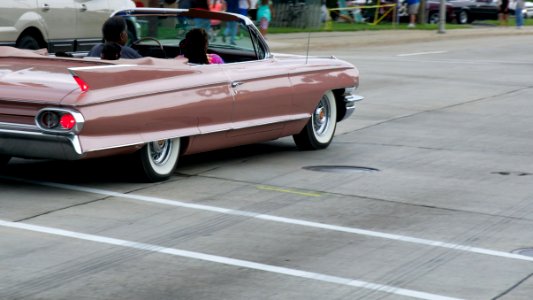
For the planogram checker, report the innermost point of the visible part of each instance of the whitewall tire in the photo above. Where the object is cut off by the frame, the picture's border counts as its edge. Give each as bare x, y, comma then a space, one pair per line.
319, 131
159, 159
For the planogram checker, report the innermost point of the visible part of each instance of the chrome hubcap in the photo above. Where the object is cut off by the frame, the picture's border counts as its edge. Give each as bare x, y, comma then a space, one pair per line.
160, 151
321, 117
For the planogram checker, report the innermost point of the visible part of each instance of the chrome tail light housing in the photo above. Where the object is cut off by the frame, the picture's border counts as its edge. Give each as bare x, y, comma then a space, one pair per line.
58, 120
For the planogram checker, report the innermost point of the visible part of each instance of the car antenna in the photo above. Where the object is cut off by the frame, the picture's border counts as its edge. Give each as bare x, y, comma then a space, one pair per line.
307, 51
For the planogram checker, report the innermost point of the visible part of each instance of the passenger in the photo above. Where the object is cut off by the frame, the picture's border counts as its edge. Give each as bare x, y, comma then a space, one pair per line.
194, 48
115, 30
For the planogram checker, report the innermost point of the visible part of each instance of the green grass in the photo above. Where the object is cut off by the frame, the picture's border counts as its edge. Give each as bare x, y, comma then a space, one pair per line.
336, 26
512, 22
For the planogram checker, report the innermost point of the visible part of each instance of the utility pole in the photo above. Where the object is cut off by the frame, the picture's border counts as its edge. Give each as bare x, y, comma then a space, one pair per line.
442, 16
422, 18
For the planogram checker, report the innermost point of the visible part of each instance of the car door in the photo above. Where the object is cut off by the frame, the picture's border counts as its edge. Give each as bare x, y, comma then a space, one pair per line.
484, 9
263, 97
90, 16
60, 19
261, 88
491, 10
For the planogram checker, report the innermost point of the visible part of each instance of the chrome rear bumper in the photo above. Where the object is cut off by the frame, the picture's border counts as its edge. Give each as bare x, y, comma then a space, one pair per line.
30, 142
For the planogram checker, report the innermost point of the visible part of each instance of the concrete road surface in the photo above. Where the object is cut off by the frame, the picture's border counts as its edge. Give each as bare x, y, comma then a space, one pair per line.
442, 208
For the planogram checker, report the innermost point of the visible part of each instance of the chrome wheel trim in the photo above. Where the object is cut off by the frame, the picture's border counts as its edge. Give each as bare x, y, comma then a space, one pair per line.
160, 151
324, 118
321, 117
463, 17
434, 18
163, 155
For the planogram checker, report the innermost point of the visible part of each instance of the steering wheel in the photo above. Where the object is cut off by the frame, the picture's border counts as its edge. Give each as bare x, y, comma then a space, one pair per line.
149, 52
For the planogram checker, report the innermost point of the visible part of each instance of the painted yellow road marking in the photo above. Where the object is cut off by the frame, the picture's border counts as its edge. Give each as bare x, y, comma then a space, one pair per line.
289, 191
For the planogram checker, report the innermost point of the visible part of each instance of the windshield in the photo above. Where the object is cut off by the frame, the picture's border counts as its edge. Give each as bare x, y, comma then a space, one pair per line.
160, 32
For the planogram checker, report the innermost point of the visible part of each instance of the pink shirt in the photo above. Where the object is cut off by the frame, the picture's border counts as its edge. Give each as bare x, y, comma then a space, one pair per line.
214, 59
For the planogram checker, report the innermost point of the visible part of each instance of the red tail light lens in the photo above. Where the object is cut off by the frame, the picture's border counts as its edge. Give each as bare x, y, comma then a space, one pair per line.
83, 86
67, 121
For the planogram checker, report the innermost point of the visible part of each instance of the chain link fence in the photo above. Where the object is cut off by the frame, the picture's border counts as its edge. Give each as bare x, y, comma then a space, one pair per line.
297, 13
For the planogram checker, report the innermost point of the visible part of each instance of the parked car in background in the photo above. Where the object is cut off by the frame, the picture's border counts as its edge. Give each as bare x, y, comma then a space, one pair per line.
58, 25
468, 11
457, 11
433, 12
461, 11
155, 110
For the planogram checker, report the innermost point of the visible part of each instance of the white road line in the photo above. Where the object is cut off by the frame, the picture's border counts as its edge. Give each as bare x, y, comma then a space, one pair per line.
277, 219
421, 53
227, 261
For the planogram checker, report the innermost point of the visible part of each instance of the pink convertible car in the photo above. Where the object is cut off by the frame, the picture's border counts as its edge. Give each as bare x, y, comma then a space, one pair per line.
159, 107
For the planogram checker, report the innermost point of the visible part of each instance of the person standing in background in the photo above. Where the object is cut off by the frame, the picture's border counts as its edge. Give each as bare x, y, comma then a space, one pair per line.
252, 11
201, 22
503, 9
519, 17
264, 15
182, 21
244, 5
216, 5
232, 6
412, 10
344, 14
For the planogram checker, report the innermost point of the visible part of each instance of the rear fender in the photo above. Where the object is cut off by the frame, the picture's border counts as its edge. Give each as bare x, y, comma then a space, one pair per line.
104, 76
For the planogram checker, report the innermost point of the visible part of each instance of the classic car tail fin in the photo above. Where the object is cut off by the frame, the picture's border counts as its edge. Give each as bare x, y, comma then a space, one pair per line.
104, 76
82, 84
83, 75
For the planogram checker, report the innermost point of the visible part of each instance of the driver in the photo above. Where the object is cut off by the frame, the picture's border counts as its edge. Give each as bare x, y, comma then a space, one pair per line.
115, 31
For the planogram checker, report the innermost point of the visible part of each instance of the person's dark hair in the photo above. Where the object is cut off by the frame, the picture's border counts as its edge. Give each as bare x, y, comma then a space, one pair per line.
113, 28
111, 51
200, 4
195, 46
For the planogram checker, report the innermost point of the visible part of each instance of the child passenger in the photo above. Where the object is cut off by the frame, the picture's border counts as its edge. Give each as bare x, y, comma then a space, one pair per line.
194, 48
